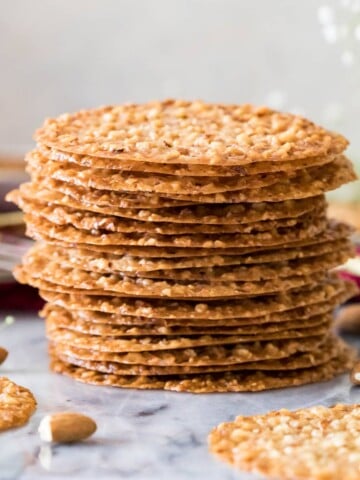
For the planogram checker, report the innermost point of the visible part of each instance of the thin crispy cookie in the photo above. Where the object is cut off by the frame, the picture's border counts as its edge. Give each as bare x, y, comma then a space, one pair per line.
181, 169
17, 404
176, 131
212, 382
85, 359
253, 272
303, 317
266, 322
23, 277
322, 443
314, 326
62, 215
127, 263
334, 231
306, 184
218, 310
201, 356
196, 214
156, 343
42, 274
104, 179
272, 186
67, 233
108, 198
235, 273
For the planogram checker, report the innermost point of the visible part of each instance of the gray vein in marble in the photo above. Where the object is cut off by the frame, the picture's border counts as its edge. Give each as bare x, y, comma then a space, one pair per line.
142, 435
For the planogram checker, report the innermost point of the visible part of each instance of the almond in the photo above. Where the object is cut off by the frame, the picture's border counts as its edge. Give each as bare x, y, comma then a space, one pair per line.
355, 374
3, 355
66, 427
348, 318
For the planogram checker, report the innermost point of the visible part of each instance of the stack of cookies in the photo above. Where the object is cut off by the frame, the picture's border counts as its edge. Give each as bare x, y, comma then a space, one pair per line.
185, 246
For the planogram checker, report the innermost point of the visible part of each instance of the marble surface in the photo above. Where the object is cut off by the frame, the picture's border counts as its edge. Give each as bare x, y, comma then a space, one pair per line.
142, 435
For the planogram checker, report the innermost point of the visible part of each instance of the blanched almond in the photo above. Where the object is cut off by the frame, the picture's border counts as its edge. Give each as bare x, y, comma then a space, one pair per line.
348, 318
66, 427
355, 374
3, 355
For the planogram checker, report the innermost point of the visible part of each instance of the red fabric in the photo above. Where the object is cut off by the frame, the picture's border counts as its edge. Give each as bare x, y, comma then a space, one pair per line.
19, 297
354, 278
350, 276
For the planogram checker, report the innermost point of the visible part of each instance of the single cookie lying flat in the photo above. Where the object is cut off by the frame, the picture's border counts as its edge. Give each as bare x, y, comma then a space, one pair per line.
17, 404
316, 443
244, 134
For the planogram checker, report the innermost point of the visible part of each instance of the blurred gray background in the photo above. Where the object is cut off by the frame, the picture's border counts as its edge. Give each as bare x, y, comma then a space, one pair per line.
63, 55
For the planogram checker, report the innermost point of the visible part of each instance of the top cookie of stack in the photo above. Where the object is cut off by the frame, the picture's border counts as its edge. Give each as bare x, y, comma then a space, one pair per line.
185, 246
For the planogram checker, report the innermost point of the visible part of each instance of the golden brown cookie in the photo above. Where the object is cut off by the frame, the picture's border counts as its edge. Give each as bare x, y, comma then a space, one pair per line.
176, 131
40, 273
212, 382
181, 169
301, 231
107, 198
262, 187
223, 214
17, 404
157, 342
248, 307
185, 246
234, 273
85, 358
334, 231
322, 443
61, 215
127, 263
226, 354
254, 272
303, 185
103, 179
304, 316
315, 325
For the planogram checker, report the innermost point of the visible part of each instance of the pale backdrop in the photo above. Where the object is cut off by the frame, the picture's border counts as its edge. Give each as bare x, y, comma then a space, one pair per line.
63, 55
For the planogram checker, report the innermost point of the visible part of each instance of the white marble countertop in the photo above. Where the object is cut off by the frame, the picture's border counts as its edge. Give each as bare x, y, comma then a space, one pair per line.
142, 435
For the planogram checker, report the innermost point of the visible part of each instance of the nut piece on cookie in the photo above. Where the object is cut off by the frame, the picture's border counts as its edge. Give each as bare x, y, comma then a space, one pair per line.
3, 355
66, 427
